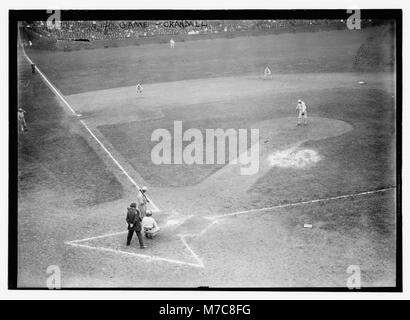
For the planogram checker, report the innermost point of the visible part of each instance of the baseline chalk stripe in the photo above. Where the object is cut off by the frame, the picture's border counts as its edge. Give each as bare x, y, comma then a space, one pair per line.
117, 163
132, 254
298, 203
97, 237
58, 94
200, 263
54, 89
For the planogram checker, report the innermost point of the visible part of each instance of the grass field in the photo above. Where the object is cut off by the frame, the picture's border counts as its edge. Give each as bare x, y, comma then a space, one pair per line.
71, 192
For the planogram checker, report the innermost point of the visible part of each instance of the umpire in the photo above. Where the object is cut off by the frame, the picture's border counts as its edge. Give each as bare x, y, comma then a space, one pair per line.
134, 224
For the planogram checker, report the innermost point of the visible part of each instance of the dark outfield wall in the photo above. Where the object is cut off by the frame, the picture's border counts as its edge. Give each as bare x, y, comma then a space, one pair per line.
378, 53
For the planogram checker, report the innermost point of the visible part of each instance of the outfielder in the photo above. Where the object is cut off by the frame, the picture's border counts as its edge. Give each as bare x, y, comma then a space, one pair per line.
172, 44
302, 112
138, 89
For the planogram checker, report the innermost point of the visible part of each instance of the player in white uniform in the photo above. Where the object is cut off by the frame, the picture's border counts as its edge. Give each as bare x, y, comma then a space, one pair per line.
267, 73
21, 119
172, 43
138, 89
150, 226
142, 201
302, 112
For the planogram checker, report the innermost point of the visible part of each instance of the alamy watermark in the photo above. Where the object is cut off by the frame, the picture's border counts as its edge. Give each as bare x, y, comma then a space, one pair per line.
208, 149
54, 278
54, 20
354, 20
354, 281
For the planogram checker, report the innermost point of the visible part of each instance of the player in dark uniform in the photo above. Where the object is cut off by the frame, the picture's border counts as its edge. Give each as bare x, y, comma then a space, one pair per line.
134, 225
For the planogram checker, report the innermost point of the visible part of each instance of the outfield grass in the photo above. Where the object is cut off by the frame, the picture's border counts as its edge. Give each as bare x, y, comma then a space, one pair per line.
88, 70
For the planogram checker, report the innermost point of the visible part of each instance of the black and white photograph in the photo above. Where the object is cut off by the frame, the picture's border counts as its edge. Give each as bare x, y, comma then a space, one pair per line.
205, 149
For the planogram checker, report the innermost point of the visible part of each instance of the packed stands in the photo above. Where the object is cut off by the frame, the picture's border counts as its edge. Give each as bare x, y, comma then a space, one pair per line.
102, 30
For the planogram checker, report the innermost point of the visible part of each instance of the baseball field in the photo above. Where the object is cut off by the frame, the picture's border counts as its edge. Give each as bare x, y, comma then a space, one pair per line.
89, 146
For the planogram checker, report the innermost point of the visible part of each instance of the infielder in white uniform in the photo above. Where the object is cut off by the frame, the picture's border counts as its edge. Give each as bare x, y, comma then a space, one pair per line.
301, 108
138, 89
267, 73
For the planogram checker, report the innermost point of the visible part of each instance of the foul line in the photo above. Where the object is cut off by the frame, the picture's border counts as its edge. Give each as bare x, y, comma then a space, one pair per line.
56, 92
298, 203
54, 89
117, 163
97, 237
200, 263
132, 254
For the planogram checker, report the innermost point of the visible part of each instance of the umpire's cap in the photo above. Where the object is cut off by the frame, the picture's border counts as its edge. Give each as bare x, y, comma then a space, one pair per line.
133, 205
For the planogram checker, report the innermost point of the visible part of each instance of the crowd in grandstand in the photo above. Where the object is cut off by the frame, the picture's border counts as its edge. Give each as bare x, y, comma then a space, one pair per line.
99, 30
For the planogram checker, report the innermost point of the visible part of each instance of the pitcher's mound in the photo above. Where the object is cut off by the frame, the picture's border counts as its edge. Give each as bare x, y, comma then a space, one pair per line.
283, 140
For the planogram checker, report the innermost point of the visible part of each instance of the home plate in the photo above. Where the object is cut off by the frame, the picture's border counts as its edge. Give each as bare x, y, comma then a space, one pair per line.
175, 219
